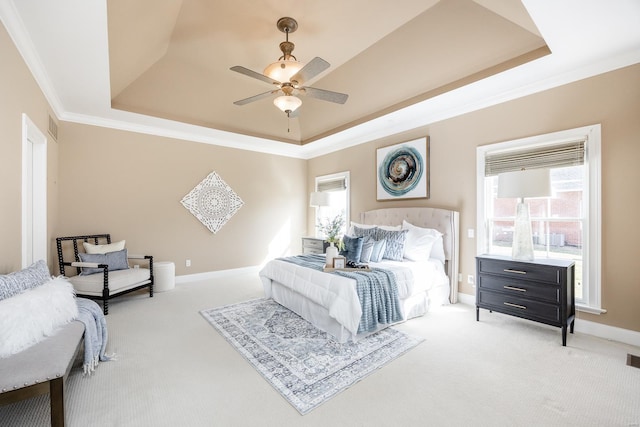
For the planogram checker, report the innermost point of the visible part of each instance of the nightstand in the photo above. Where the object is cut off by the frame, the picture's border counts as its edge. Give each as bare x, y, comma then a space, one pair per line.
313, 245
540, 290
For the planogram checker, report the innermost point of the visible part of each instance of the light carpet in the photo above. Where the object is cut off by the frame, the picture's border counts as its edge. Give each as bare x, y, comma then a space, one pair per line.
306, 365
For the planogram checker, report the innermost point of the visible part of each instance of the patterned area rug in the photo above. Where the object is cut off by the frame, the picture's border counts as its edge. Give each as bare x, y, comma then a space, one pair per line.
304, 364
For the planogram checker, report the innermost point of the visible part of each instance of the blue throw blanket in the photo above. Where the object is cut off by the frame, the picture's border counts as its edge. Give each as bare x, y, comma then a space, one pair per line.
377, 291
95, 334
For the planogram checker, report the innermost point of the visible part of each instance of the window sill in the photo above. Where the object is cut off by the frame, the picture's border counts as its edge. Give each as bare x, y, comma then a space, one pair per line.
589, 309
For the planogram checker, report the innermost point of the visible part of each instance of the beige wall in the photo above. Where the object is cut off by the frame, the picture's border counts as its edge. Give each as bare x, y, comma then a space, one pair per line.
130, 185
612, 99
20, 94
103, 180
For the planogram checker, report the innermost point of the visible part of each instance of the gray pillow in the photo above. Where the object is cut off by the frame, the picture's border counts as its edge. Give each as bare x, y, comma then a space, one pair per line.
19, 281
352, 248
395, 243
116, 260
364, 232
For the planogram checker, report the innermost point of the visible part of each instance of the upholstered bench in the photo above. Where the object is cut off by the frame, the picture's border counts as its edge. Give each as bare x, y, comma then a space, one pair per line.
42, 368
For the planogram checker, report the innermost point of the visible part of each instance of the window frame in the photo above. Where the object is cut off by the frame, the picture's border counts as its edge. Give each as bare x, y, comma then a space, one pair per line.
592, 243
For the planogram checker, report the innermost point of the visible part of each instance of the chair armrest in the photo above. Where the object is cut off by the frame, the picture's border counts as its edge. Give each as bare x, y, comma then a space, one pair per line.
87, 264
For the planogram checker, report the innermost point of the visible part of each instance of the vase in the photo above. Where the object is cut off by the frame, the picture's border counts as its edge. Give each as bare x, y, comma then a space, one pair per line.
332, 252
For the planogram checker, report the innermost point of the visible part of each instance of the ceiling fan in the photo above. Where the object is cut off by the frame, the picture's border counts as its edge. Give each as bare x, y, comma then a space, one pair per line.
288, 75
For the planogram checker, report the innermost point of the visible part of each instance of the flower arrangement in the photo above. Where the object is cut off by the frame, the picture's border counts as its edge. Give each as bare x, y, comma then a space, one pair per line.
332, 228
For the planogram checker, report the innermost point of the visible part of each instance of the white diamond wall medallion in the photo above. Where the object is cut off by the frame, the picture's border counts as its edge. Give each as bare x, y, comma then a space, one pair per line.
213, 202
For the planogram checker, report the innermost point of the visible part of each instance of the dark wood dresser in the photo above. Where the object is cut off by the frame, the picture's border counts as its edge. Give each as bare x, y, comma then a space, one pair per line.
540, 290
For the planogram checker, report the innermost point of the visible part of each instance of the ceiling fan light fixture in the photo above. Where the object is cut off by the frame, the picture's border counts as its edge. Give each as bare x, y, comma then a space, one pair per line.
283, 70
287, 103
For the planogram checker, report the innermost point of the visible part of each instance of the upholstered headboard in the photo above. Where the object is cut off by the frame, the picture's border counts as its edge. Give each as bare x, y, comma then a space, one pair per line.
445, 221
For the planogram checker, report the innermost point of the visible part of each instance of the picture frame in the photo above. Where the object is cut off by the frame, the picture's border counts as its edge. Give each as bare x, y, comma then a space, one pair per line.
339, 262
402, 170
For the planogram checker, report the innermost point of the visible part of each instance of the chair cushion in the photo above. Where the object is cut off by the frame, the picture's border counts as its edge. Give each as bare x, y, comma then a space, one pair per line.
120, 280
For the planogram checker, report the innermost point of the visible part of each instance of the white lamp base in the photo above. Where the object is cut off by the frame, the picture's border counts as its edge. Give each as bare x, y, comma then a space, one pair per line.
522, 236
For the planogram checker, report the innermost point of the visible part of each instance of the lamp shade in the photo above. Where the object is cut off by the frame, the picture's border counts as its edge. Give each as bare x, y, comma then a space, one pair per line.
524, 183
283, 70
287, 103
319, 198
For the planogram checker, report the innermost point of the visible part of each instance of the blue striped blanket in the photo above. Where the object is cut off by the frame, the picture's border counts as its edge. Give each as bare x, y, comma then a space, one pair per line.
377, 291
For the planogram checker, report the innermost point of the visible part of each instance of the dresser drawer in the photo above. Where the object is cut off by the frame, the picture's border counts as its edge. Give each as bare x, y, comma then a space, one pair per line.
520, 288
313, 244
520, 270
535, 310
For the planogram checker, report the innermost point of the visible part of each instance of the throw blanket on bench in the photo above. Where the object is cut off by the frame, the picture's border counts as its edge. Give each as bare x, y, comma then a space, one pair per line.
95, 334
377, 291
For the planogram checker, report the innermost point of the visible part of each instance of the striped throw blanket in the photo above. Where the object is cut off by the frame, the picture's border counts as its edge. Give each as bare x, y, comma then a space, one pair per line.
377, 291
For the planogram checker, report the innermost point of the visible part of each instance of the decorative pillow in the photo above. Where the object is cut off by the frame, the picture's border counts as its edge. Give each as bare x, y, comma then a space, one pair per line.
367, 248
395, 243
352, 231
115, 260
364, 232
437, 247
419, 243
35, 314
379, 246
19, 281
352, 248
103, 249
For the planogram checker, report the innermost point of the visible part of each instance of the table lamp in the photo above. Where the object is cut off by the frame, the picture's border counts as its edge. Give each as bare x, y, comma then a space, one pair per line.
523, 184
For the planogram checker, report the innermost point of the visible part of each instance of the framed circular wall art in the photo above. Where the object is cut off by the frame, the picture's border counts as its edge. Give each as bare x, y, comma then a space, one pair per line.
402, 170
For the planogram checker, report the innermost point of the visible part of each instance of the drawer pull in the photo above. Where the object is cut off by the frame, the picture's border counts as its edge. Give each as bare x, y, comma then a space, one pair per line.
515, 305
513, 288
509, 270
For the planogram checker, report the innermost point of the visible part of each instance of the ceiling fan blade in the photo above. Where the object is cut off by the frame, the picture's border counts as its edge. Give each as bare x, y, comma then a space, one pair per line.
325, 95
309, 71
255, 97
254, 74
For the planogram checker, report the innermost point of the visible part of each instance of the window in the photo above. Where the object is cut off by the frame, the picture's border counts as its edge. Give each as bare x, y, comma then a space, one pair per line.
567, 225
337, 187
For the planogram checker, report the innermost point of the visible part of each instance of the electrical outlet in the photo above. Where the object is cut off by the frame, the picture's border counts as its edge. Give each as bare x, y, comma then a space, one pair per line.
187, 263
470, 279
460, 278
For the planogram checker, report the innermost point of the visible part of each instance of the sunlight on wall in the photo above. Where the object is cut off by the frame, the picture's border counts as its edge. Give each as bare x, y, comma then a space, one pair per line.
280, 245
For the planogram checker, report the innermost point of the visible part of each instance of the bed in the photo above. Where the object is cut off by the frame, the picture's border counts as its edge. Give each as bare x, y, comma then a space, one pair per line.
330, 301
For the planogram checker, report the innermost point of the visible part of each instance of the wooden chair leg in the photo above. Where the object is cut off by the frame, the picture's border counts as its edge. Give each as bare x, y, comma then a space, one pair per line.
56, 395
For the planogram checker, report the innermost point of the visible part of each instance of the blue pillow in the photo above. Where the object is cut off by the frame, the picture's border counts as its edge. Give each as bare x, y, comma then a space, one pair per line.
395, 243
367, 248
377, 252
116, 260
352, 248
365, 232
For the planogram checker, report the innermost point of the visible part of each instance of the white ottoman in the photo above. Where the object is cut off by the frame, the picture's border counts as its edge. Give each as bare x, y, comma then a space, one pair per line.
164, 276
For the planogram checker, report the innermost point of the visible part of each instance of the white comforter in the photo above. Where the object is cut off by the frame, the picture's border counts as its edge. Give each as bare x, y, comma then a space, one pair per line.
338, 294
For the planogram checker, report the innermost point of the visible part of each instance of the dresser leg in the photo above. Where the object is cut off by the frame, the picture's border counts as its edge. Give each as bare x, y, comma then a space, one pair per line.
564, 336
571, 326
477, 314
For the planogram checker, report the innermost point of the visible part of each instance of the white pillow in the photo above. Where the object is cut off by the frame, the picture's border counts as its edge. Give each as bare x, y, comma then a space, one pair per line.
103, 249
422, 243
30, 317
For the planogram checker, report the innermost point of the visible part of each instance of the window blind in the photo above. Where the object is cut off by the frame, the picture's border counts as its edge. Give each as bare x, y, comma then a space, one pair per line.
336, 184
549, 156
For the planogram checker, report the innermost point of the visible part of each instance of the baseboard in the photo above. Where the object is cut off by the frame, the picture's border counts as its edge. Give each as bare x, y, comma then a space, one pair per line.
599, 330
216, 274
